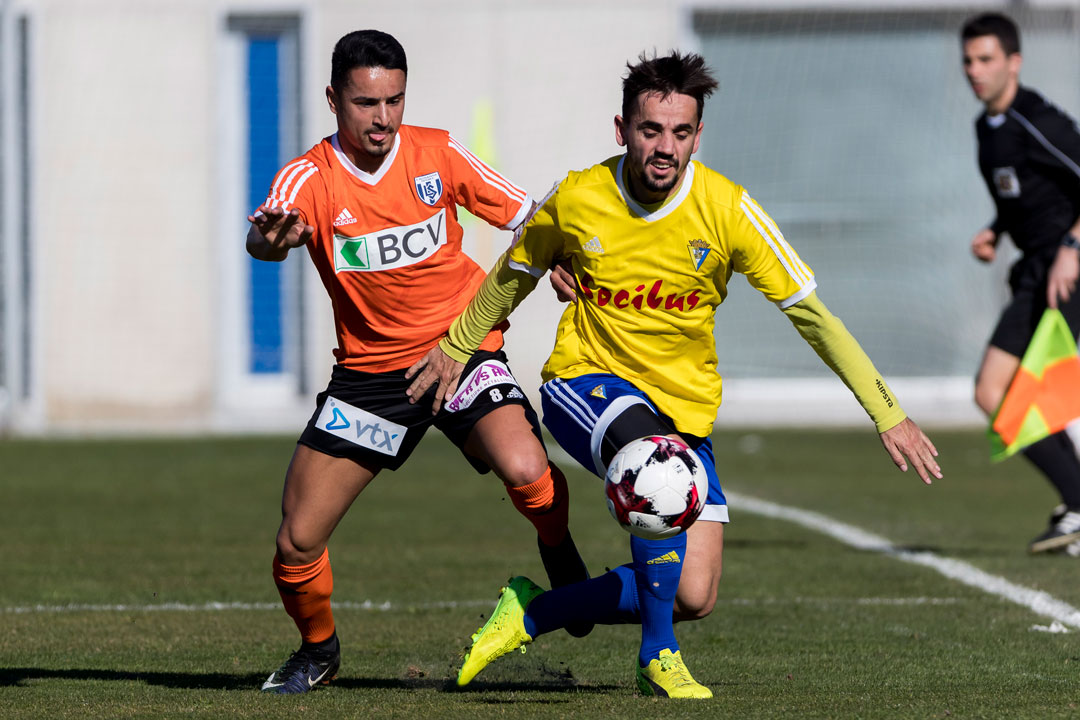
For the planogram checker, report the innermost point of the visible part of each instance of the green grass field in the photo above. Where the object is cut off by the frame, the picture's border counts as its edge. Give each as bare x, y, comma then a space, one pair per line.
112, 551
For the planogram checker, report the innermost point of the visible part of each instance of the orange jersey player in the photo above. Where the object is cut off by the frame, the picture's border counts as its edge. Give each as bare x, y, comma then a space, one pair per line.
387, 244
376, 206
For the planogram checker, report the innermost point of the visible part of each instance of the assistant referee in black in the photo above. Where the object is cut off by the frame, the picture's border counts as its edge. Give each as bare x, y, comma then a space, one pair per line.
1029, 155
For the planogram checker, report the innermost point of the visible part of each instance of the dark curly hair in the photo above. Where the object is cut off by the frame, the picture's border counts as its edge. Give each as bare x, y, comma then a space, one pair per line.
674, 73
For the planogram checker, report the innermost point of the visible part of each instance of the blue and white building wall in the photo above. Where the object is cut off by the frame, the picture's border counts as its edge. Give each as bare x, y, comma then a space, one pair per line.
129, 159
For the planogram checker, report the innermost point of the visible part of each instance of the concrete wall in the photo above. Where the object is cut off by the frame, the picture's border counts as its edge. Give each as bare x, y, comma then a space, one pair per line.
122, 157
126, 158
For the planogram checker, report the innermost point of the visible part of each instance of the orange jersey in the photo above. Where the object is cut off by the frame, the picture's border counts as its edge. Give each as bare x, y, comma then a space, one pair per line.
388, 244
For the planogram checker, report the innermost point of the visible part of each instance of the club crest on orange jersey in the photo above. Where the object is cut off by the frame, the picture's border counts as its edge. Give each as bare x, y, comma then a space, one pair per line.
429, 188
699, 250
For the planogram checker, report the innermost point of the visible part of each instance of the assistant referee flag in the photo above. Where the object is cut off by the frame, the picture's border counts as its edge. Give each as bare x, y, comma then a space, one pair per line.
1044, 395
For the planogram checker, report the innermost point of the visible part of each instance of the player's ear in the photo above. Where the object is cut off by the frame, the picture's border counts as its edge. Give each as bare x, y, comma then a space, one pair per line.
620, 131
697, 136
1015, 61
331, 99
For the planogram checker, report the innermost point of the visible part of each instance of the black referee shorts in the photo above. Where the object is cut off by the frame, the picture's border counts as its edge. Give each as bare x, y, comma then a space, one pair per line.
1021, 316
368, 417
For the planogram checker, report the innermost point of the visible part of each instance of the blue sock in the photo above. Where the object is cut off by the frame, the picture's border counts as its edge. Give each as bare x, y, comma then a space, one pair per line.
657, 567
610, 599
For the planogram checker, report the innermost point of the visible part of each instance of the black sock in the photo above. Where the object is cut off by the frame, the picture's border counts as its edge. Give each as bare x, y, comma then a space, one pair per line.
1056, 457
329, 646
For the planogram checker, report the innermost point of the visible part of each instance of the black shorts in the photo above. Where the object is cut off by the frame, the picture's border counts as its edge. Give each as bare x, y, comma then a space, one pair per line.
367, 417
1021, 316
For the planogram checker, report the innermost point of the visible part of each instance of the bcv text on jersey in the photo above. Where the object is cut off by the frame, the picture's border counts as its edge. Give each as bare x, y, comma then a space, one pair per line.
392, 247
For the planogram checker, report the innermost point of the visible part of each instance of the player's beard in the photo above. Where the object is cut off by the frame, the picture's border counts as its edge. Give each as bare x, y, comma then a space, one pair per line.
660, 186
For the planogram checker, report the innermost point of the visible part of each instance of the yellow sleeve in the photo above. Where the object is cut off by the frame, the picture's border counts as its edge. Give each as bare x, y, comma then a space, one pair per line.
502, 290
841, 352
760, 252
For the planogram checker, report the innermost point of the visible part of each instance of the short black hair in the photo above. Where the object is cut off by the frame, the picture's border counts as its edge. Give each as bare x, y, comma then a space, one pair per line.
674, 73
365, 48
996, 24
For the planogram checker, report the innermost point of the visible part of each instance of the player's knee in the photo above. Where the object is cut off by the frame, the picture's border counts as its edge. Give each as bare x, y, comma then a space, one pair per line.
522, 468
696, 598
294, 549
694, 605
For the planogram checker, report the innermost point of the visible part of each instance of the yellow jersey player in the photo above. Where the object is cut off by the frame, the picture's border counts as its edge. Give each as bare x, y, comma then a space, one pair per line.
652, 239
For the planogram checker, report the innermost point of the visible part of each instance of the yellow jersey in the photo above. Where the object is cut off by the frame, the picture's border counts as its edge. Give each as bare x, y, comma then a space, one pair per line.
651, 279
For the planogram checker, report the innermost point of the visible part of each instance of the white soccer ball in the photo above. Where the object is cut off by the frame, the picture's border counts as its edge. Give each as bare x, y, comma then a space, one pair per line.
656, 487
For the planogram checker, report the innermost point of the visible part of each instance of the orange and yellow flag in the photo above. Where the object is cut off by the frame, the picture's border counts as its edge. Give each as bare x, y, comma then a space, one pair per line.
1044, 395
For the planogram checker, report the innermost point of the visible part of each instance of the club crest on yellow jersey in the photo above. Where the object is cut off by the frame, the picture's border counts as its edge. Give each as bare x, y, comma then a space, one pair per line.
699, 250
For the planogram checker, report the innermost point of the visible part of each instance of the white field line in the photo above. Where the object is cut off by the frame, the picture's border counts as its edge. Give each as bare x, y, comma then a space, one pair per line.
449, 604
214, 606
830, 601
1040, 602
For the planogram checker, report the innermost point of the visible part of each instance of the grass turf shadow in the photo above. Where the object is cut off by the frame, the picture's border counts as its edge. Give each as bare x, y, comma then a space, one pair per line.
13, 677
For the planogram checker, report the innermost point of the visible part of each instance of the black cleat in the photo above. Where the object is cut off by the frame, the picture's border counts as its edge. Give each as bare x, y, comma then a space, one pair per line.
306, 668
1063, 531
564, 566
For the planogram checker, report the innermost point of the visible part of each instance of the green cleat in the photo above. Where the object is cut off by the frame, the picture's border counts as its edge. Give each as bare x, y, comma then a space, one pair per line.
504, 631
668, 677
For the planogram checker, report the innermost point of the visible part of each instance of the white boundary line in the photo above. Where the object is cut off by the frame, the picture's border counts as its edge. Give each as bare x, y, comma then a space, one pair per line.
214, 606
449, 604
1038, 601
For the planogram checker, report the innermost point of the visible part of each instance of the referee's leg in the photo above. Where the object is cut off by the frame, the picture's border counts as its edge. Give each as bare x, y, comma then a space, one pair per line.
1054, 456
996, 372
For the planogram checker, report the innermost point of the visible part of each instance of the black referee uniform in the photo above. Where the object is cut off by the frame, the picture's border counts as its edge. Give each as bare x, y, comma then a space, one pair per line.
1030, 159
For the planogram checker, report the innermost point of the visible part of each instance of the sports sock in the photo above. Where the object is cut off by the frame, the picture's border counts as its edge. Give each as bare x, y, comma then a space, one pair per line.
546, 504
1056, 457
657, 568
305, 591
610, 599
328, 647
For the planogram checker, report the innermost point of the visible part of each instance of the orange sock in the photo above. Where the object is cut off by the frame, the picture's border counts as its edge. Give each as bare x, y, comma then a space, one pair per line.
305, 591
546, 503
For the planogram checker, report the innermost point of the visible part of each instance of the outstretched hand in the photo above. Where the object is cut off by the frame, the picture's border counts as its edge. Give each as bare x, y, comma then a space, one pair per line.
906, 440
280, 230
435, 367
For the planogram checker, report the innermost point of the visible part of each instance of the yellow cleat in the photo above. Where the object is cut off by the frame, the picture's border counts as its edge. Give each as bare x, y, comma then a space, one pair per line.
668, 677
504, 631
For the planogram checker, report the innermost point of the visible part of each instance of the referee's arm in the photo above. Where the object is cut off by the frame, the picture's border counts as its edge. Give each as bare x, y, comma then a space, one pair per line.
1059, 147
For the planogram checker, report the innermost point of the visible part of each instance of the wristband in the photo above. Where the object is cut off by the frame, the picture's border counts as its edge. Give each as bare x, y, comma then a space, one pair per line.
1070, 241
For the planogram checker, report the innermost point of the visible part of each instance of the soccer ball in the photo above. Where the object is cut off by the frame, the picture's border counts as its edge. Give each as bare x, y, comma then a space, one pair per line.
656, 487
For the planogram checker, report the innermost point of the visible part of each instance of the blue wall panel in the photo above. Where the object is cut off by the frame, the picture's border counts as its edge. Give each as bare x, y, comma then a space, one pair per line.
265, 311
